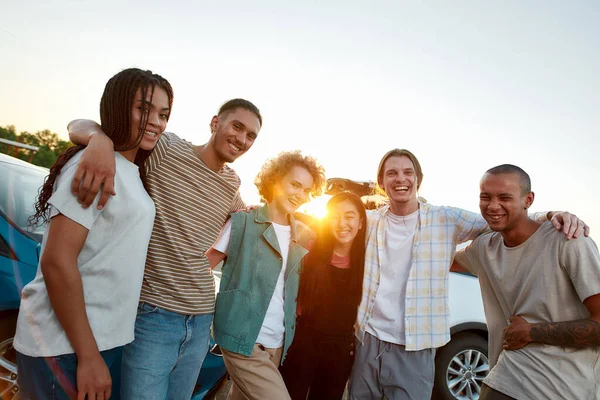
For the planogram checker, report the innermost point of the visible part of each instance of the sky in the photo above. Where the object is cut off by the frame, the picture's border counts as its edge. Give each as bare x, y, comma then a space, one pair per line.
464, 85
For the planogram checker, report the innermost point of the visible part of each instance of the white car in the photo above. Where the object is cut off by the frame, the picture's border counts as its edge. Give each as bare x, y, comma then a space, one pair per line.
462, 364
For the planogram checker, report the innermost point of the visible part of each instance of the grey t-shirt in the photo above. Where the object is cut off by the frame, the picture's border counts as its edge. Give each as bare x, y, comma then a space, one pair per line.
545, 279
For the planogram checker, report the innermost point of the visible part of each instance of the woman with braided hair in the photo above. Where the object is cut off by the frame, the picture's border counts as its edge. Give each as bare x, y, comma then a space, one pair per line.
81, 307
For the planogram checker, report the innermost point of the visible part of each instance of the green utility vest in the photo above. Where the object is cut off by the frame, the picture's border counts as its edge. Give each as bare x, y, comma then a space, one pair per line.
249, 277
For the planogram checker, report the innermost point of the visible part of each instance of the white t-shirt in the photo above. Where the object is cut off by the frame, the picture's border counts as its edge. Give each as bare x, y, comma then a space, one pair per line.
387, 320
111, 264
272, 332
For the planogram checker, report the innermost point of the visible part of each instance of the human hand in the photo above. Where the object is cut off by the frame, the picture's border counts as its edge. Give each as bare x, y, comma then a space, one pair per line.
249, 208
517, 334
96, 168
570, 224
93, 379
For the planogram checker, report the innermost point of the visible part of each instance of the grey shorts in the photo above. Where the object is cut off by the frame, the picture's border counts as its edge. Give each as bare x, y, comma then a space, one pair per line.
386, 370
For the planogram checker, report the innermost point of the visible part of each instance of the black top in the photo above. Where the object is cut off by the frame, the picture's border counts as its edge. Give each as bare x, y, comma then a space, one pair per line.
331, 312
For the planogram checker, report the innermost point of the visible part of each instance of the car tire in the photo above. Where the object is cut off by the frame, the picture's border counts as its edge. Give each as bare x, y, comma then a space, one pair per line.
8, 324
460, 367
8, 375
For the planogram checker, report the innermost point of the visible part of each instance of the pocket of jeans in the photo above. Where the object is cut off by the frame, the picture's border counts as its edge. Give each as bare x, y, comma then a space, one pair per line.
66, 365
64, 358
145, 309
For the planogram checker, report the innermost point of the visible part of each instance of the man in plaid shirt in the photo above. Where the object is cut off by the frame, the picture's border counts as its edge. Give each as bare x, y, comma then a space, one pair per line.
404, 314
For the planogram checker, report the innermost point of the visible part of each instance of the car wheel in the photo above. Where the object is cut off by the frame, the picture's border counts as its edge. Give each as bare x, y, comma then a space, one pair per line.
460, 367
9, 388
8, 324
8, 357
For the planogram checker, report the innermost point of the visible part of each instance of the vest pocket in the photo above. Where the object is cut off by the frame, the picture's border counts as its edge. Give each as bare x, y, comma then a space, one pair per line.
233, 313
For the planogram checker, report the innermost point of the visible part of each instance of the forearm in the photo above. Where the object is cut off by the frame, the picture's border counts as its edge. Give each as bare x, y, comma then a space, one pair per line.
542, 216
580, 333
82, 130
310, 221
456, 267
214, 257
65, 291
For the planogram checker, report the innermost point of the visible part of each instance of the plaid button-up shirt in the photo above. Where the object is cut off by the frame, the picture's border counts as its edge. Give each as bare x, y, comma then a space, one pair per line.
427, 314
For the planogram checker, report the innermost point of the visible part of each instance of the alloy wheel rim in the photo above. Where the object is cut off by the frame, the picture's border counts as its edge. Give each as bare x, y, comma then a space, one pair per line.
8, 372
465, 374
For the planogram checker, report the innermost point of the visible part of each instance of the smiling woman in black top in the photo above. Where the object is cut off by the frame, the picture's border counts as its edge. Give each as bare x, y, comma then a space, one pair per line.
320, 358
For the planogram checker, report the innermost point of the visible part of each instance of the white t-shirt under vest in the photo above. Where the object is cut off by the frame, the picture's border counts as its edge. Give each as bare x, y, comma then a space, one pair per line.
272, 332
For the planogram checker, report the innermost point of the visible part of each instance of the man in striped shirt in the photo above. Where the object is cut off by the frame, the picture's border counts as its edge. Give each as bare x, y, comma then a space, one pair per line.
404, 314
194, 191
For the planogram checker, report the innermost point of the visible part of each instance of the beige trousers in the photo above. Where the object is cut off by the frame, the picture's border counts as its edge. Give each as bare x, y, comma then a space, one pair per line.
256, 377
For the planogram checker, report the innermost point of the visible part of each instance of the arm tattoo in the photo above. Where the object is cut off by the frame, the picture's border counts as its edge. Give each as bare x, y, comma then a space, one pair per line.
580, 334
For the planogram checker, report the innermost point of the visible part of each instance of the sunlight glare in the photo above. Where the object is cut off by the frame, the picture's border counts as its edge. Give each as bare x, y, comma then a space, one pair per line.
316, 207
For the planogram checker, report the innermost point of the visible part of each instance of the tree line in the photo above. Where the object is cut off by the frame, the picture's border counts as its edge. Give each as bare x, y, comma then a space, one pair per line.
49, 144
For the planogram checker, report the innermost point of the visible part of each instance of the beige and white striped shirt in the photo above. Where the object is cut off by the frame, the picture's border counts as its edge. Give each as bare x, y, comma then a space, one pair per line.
192, 203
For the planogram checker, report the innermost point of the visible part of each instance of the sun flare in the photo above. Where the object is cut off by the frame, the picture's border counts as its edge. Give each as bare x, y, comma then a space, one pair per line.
316, 207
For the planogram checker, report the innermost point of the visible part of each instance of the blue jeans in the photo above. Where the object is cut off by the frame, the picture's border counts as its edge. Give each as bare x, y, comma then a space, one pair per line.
164, 360
42, 378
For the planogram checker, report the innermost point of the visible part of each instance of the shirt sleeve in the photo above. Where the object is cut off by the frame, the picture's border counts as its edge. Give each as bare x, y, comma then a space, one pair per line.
237, 204
580, 258
467, 258
539, 216
64, 202
222, 242
158, 153
469, 225
371, 218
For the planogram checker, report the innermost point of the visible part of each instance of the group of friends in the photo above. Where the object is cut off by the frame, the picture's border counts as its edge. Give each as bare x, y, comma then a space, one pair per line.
302, 308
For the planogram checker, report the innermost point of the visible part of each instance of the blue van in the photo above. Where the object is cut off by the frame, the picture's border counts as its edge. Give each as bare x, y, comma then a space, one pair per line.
19, 253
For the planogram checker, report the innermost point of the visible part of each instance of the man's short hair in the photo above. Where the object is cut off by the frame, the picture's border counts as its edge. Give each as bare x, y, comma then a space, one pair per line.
234, 104
524, 178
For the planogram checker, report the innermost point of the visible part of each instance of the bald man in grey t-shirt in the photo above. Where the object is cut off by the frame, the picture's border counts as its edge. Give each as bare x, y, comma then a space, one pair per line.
541, 294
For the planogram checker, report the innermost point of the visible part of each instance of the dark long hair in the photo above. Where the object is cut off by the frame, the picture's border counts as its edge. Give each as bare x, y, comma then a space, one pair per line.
115, 118
312, 281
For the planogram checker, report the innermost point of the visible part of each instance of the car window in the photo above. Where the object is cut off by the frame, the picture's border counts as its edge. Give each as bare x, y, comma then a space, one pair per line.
19, 186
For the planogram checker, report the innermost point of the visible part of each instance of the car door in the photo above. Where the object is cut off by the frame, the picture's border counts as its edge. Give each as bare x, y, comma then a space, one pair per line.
18, 263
